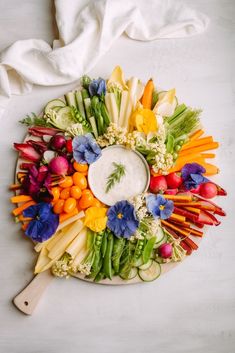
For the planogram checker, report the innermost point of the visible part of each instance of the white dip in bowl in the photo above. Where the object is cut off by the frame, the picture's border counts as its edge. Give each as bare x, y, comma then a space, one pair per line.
134, 182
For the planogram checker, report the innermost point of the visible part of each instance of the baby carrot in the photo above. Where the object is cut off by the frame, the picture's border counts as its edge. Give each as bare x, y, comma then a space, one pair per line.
198, 142
178, 197
148, 93
65, 216
18, 210
21, 198
199, 149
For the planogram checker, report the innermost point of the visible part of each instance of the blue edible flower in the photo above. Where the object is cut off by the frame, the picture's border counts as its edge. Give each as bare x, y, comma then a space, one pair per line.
85, 149
192, 175
97, 87
44, 222
159, 207
122, 220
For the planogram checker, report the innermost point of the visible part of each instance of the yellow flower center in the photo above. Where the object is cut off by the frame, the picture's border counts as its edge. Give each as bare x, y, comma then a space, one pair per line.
120, 215
161, 207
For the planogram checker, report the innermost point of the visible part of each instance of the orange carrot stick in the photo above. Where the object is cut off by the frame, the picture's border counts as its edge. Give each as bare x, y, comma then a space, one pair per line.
21, 198
193, 209
177, 229
179, 197
21, 218
177, 217
211, 169
18, 210
24, 226
64, 216
207, 155
147, 95
199, 149
196, 135
196, 232
198, 142
14, 187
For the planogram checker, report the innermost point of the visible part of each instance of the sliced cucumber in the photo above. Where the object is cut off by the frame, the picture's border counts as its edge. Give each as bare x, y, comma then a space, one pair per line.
64, 118
163, 240
54, 104
160, 237
132, 274
138, 262
146, 266
152, 273
93, 126
80, 104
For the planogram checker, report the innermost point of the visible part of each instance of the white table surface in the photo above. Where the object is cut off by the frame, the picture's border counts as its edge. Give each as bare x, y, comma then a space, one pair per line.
189, 310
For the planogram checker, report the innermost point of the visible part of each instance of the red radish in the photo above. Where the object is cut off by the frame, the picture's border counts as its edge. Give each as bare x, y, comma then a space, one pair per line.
196, 190
69, 146
208, 190
59, 165
171, 191
165, 250
57, 142
158, 184
174, 180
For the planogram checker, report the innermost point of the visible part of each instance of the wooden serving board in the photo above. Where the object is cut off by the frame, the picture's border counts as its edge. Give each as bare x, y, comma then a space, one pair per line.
27, 300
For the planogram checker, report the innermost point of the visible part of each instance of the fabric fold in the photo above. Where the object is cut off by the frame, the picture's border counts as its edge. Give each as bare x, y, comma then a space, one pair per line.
85, 34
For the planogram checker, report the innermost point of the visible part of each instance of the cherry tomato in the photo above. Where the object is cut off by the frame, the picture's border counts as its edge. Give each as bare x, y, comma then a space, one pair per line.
69, 205
67, 182
56, 193
58, 206
80, 167
96, 203
86, 199
80, 180
65, 193
75, 192
69, 146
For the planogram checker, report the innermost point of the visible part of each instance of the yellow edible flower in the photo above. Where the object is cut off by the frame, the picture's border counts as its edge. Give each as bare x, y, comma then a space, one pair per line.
144, 120
117, 77
95, 218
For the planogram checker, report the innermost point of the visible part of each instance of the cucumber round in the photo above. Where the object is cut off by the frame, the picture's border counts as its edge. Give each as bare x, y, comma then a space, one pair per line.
132, 274
152, 273
146, 266
55, 103
138, 262
161, 238
64, 118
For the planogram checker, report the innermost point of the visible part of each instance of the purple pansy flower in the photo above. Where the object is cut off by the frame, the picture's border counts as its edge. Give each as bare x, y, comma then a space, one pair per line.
85, 149
192, 175
37, 184
159, 207
97, 87
122, 220
44, 222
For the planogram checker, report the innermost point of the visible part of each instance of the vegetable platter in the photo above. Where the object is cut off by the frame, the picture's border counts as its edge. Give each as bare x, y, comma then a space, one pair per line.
114, 182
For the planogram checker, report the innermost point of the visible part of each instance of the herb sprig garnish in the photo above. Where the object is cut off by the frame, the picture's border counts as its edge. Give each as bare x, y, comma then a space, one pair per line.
116, 176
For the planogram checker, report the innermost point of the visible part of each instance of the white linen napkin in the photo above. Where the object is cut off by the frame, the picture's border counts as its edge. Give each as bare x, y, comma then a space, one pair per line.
85, 34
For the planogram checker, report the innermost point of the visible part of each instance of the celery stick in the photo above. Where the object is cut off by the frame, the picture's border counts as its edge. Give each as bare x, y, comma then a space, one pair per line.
179, 110
80, 105
70, 99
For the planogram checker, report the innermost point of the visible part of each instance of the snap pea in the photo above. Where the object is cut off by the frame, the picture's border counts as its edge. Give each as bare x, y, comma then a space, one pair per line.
139, 248
95, 268
118, 247
148, 249
107, 262
177, 148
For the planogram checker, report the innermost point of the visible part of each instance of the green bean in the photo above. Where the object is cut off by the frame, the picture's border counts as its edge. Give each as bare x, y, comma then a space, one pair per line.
118, 247
104, 244
99, 276
107, 263
148, 249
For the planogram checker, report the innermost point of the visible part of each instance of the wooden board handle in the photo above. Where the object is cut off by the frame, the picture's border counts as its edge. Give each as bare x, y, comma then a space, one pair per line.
27, 300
